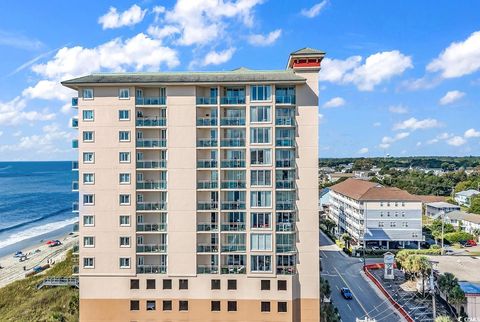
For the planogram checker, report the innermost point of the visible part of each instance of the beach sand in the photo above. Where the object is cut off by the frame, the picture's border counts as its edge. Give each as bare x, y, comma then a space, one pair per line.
13, 269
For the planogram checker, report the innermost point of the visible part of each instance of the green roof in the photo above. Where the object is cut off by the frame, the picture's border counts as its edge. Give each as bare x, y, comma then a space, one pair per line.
308, 51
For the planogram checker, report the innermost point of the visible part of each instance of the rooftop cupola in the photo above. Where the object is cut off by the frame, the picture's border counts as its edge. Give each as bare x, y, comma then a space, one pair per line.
306, 59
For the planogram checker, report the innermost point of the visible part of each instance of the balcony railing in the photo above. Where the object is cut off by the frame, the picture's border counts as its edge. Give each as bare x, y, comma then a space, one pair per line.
207, 184
233, 205
207, 121
233, 164
287, 99
233, 269
207, 143
286, 248
151, 227
152, 248
290, 121
151, 121
285, 163
74, 165
75, 207
207, 163
151, 206
234, 184
74, 185
285, 205
151, 185
286, 270
239, 121
75, 123
207, 269
206, 100
207, 248
151, 269
234, 248
75, 102
150, 100
207, 227
285, 142
153, 143
286, 226
207, 205
160, 164
234, 226
232, 100
233, 142
75, 144
285, 184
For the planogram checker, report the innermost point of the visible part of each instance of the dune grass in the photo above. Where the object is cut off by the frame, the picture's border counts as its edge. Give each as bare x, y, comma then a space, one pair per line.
20, 301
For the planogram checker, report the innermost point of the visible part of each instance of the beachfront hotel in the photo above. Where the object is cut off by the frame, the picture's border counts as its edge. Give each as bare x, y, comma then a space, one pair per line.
198, 194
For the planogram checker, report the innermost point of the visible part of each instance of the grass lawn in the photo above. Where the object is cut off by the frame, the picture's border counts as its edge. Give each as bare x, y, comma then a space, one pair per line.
20, 301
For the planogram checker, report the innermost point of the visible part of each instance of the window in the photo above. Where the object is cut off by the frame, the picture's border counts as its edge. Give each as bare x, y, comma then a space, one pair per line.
88, 136
124, 199
88, 200
124, 136
232, 284
88, 241
134, 284
124, 93
124, 115
124, 241
393, 224
167, 305
260, 114
150, 305
265, 306
124, 262
88, 220
215, 306
261, 156
261, 199
261, 220
124, 157
124, 178
183, 305
150, 284
380, 224
167, 284
281, 285
215, 284
261, 242
88, 178
134, 305
88, 157
405, 224
260, 135
261, 263
260, 93
232, 306
265, 285
124, 220
260, 177
88, 262
282, 307
88, 115
183, 284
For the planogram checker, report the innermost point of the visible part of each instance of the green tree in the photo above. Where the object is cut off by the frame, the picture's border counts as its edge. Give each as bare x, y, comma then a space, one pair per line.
456, 295
346, 239
443, 318
457, 236
446, 282
475, 205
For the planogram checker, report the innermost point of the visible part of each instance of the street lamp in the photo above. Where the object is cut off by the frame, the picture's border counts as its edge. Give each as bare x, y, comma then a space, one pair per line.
442, 214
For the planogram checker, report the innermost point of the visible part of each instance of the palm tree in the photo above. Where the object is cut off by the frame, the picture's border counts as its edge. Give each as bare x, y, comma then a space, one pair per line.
456, 295
446, 283
346, 238
443, 318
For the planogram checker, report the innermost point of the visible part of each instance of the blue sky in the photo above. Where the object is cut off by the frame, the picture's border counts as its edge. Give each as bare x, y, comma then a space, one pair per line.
399, 78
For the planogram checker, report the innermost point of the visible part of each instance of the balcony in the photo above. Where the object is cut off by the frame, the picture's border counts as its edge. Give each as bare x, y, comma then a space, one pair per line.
285, 121
233, 142
150, 100
207, 205
74, 185
206, 143
75, 102
285, 184
151, 206
286, 270
152, 248
151, 143
151, 185
233, 164
207, 269
233, 121
233, 269
232, 100
207, 227
74, 165
285, 142
207, 184
233, 185
285, 163
234, 248
287, 99
233, 205
151, 269
75, 207
151, 121
285, 205
75, 144
207, 248
285, 227
151, 227
161, 164
286, 248
75, 249
75, 269
74, 123
208, 163
233, 226
206, 100
207, 121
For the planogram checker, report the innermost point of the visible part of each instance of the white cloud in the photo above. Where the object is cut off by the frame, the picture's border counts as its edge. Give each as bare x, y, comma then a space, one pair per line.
14, 113
215, 57
66, 108
414, 124
334, 102
456, 141
377, 124
450, 97
321, 117
162, 32
261, 40
16, 40
363, 151
315, 10
47, 89
1, 133
398, 109
113, 19
458, 59
420, 83
376, 69
388, 140
471, 133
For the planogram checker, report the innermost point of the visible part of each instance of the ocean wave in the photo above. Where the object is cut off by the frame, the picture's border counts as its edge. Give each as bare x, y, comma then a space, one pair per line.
35, 220
6, 168
36, 231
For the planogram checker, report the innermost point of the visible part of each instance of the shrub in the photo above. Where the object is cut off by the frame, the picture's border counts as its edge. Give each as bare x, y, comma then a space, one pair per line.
457, 237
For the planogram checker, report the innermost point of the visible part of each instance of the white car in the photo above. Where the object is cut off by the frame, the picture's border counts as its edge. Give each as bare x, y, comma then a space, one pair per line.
448, 252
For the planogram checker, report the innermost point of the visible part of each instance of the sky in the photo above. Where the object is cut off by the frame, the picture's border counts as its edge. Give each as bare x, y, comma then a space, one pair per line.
399, 77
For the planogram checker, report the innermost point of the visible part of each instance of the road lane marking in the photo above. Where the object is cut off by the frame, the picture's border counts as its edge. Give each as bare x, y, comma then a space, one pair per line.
349, 307
356, 298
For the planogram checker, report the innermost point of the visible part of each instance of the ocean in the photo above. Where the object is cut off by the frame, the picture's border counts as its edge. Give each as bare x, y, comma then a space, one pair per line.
35, 203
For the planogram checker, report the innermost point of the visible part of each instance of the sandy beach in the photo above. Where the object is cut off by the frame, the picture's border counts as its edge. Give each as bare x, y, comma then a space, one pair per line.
13, 269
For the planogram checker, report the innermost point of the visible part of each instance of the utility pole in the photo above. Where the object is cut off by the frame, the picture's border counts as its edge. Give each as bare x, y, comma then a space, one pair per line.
432, 291
443, 229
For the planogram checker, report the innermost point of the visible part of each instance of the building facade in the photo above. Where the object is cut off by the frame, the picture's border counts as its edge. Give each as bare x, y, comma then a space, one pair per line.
198, 194
376, 216
434, 209
464, 197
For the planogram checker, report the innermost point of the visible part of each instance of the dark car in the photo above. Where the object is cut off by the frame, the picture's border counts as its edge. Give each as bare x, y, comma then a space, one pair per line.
346, 293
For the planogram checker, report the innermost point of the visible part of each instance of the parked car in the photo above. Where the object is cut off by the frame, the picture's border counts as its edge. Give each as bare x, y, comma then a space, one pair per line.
346, 293
470, 242
448, 252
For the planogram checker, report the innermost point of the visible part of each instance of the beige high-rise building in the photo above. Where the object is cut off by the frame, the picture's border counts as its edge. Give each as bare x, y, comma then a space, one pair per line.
198, 194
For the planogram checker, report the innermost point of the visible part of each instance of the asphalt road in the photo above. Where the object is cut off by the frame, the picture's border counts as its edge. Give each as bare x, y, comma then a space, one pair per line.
341, 271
